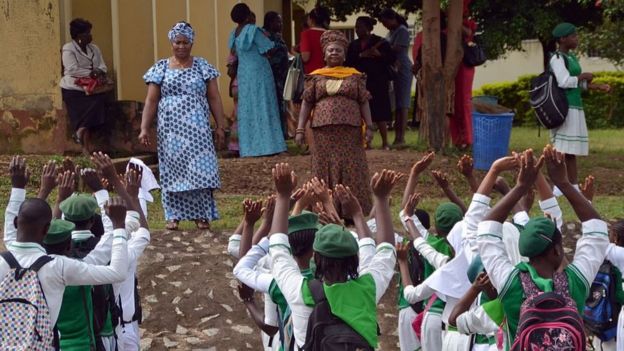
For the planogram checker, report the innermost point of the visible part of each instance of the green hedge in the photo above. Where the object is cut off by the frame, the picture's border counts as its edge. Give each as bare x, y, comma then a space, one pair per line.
601, 110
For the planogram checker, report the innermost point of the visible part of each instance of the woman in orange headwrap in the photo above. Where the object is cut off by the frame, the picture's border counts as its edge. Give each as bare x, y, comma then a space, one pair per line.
339, 99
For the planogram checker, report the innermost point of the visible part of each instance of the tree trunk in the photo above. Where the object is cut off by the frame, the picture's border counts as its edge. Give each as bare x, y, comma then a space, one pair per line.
433, 77
454, 51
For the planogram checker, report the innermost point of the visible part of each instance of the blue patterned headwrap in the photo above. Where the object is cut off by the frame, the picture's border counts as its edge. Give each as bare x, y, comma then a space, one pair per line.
184, 29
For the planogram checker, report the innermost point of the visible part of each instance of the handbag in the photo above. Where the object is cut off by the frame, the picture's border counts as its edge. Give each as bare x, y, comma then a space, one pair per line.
293, 86
473, 54
419, 319
93, 86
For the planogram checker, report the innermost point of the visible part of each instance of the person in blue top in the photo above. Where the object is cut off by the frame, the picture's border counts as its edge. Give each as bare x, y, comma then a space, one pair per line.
183, 92
259, 118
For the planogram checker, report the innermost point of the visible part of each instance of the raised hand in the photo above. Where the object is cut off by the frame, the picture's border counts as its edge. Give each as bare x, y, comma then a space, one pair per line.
68, 165
285, 179
529, 168
320, 190
587, 188
48, 180
382, 183
91, 179
105, 165
441, 178
133, 183
411, 205
269, 209
19, 172
350, 205
253, 210
465, 165
507, 163
421, 165
402, 251
66, 182
116, 211
556, 166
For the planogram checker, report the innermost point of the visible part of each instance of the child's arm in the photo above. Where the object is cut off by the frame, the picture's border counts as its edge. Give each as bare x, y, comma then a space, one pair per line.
489, 238
253, 212
19, 178
245, 270
351, 209
547, 201
247, 295
469, 297
416, 170
465, 166
411, 293
265, 227
234, 241
442, 180
305, 198
591, 248
322, 194
382, 265
48, 180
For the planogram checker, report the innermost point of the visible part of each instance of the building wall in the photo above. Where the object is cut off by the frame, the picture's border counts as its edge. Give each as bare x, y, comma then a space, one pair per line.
31, 117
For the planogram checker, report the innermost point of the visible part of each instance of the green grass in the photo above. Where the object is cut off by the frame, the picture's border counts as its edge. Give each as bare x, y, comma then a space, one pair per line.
605, 145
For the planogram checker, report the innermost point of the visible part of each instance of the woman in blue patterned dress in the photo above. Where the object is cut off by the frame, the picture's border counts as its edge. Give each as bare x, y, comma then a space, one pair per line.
182, 91
259, 118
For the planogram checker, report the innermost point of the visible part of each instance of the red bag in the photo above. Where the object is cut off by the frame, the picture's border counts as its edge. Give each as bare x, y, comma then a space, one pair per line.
418, 321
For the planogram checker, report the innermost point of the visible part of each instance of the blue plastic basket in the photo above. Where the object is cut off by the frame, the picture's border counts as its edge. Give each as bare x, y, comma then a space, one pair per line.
491, 138
486, 99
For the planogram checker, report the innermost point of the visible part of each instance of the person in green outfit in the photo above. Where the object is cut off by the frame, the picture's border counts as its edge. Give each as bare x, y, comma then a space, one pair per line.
541, 242
352, 290
571, 137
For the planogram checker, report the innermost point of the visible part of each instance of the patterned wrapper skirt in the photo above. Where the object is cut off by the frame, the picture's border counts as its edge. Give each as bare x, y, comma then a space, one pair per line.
339, 157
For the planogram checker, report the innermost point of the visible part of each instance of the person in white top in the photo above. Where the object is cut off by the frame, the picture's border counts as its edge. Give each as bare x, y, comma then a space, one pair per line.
376, 275
25, 228
83, 69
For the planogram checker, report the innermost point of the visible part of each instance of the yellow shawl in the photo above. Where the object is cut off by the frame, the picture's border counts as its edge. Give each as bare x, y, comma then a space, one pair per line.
339, 72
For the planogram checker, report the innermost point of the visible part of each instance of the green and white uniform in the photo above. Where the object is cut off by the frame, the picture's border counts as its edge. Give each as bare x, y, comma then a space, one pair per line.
590, 253
571, 137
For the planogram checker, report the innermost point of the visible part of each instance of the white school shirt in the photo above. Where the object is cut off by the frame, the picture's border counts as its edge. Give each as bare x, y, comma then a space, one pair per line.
247, 273
139, 240
61, 271
77, 64
476, 321
289, 279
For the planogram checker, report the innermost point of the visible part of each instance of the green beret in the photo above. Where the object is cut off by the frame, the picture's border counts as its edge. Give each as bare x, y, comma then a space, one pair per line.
304, 221
475, 268
563, 30
536, 236
79, 207
446, 216
335, 241
60, 230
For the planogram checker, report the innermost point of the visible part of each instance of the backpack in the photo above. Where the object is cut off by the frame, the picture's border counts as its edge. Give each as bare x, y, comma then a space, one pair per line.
548, 321
416, 272
548, 100
24, 314
601, 308
327, 332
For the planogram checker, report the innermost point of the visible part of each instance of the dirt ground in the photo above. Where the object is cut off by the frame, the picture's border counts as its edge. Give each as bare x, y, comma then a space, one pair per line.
187, 289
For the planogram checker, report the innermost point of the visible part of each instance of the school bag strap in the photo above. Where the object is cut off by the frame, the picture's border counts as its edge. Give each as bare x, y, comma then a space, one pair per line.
19, 270
316, 288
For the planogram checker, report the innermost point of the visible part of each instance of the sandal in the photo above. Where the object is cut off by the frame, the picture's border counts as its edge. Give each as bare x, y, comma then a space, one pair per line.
202, 224
172, 224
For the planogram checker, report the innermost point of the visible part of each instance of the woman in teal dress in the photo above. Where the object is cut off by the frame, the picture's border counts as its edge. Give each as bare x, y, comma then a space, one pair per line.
259, 126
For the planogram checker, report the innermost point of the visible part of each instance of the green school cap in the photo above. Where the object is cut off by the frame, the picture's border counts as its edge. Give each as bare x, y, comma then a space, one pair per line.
335, 241
59, 231
446, 216
79, 207
536, 236
563, 30
475, 268
304, 221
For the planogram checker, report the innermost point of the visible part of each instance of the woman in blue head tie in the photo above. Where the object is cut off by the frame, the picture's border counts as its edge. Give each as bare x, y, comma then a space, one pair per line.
183, 92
